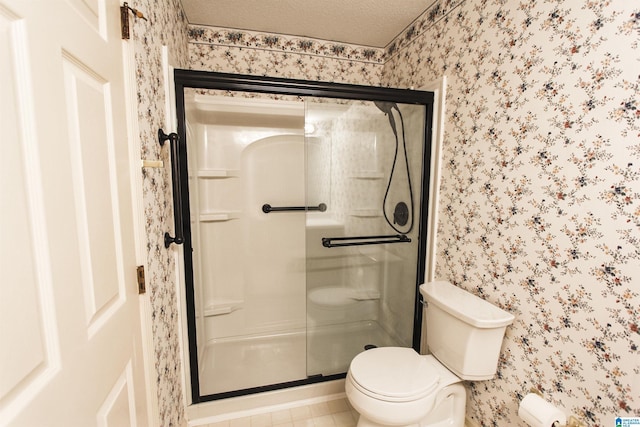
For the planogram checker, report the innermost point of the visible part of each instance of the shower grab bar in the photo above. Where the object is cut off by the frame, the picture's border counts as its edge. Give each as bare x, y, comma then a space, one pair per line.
174, 139
327, 242
266, 208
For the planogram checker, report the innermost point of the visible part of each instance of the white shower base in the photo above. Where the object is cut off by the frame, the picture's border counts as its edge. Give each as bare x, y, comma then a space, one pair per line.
246, 362
331, 347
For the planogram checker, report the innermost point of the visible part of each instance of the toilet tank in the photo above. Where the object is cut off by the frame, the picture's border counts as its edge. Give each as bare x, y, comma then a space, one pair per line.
464, 332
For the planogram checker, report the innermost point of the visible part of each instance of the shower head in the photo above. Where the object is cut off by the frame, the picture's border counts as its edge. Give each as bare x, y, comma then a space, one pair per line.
386, 108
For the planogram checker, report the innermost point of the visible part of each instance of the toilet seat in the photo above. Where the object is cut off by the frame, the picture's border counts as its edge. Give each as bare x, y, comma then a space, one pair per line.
394, 374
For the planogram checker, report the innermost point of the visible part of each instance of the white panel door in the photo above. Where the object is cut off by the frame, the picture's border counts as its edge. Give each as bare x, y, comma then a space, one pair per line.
70, 345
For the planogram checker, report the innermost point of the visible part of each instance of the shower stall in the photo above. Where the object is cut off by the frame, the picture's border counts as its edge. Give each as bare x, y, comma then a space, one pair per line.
302, 209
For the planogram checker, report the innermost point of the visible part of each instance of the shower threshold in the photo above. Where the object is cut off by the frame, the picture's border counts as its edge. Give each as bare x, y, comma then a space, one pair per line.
287, 358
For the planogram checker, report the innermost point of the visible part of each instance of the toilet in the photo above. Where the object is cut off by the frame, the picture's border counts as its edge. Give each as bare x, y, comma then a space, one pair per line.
396, 386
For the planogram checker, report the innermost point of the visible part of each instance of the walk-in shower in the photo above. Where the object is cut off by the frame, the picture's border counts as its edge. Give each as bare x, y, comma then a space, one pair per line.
303, 212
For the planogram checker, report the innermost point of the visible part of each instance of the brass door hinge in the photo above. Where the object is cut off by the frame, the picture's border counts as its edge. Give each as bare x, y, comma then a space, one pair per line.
124, 19
141, 283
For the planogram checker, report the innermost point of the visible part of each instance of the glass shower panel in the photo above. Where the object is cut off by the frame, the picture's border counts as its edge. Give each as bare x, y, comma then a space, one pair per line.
364, 162
248, 265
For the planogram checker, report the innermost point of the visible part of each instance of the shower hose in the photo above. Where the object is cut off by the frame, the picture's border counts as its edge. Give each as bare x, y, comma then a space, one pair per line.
387, 108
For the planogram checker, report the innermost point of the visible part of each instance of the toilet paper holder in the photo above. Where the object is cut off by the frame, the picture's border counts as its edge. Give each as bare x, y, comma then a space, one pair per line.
572, 421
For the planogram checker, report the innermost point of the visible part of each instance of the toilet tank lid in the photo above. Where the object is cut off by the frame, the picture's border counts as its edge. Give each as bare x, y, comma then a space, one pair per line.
464, 305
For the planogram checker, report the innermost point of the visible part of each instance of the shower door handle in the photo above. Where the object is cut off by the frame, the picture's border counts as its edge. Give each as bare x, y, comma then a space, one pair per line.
174, 140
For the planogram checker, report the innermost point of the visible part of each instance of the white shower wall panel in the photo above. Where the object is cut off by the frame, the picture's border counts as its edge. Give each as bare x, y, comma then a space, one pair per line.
222, 145
254, 263
221, 194
222, 263
258, 318
274, 173
324, 267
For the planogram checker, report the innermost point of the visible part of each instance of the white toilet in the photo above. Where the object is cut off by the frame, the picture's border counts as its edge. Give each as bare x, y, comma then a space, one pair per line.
395, 386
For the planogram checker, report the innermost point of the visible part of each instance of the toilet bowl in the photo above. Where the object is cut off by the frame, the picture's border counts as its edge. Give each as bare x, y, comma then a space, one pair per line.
396, 386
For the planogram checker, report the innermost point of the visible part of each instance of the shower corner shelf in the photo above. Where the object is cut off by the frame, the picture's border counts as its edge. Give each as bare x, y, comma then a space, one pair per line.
222, 307
218, 173
367, 174
219, 216
366, 213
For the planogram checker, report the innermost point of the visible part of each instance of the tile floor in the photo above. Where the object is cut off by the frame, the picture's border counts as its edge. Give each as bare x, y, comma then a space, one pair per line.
333, 413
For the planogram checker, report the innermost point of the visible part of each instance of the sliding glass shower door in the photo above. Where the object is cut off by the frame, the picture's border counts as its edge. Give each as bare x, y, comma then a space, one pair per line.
364, 162
246, 158
304, 227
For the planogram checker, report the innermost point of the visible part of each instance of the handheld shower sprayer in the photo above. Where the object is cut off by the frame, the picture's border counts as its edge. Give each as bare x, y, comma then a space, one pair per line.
401, 213
387, 107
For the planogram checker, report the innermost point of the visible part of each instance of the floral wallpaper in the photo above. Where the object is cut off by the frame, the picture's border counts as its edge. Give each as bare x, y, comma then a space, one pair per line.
166, 25
246, 52
540, 191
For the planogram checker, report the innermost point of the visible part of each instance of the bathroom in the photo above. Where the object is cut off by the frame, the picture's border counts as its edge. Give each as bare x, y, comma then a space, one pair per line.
538, 208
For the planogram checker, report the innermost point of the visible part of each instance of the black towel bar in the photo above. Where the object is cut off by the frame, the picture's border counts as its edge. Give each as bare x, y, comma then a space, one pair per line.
327, 242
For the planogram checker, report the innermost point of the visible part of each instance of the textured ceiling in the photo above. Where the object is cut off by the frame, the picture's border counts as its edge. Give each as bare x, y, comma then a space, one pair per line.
363, 22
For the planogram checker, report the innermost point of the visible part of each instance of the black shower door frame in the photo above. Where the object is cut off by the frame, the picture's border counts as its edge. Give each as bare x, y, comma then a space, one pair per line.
303, 88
